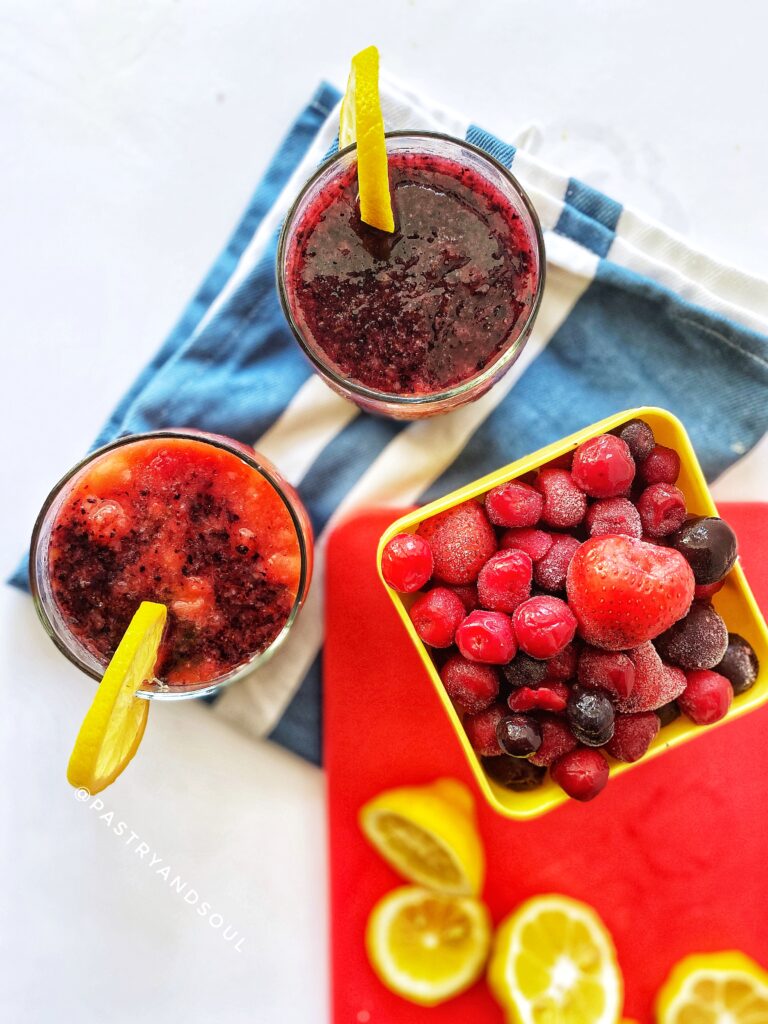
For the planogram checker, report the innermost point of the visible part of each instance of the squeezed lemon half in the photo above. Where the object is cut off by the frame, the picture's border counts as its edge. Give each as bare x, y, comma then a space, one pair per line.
714, 988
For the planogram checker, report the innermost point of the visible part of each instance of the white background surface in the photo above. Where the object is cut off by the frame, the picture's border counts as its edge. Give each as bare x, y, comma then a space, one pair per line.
133, 134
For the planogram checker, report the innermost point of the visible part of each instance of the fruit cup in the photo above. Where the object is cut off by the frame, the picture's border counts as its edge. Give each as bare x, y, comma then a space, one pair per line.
734, 602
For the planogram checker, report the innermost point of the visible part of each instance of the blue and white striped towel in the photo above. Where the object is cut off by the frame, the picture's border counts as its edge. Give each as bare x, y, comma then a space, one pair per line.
631, 316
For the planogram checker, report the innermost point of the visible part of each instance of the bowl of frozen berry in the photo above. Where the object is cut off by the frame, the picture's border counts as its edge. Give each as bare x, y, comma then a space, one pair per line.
579, 611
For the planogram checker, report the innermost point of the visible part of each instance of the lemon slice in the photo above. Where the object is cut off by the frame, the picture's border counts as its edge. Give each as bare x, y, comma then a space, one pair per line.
114, 725
428, 835
554, 962
361, 121
714, 988
425, 946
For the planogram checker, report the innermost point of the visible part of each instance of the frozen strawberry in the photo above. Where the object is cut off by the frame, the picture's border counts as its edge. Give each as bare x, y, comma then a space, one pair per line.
462, 541
612, 671
698, 641
632, 735
488, 637
543, 626
406, 562
624, 591
551, 696
480, 728
582, 773
603, 466
564, 503
706, 698
563, 666
436, 616
613, 515
471, 686
556, 740
550, 571
535, 543
505, 581
655, 683
514, 504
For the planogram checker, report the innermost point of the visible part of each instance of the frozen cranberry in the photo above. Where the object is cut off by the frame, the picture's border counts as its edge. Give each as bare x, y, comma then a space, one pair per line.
515, 773
552, 696
739, 664
660, 466
505, 580
471, 686
436, 616
467, 594
556, 740
488, 637
518, 735
662, 509
632, 735
582, 773
590, 716
406, 562
706, 698
535, 543
524, 671
563, 666
709, 546
514, 504
550, 572
706, 591
543, 626
564, 503
480, 728
603, 466
638, 437
697, 641
462, 541
613, 515
612, 671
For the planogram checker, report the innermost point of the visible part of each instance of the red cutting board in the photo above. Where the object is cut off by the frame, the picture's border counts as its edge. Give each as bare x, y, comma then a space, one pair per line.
674, 854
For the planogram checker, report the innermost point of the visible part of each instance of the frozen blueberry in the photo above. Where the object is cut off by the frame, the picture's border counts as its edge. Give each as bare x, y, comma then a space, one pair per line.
591, 716
518, 735
709, 545
739, 664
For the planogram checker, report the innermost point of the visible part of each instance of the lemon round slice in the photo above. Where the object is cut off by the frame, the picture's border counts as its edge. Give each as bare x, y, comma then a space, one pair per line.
714, 988
425, 946
114, 725
553, 960
362, 121
428, 835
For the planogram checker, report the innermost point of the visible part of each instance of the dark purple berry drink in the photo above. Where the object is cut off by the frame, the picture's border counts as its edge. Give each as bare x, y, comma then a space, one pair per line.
426, 318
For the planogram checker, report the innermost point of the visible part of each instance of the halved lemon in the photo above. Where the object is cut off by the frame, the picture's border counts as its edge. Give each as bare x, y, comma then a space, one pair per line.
362, 121
554, 962
425, 946
428, 835
114, 725
714, 988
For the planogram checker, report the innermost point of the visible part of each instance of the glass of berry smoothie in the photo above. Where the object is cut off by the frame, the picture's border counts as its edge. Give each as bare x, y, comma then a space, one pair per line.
195, 521
423, 320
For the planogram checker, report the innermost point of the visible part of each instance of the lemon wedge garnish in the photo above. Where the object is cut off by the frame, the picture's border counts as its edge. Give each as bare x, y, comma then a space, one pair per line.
425, 946
428, 835
553, 960
361, 121
714, 988
114, 725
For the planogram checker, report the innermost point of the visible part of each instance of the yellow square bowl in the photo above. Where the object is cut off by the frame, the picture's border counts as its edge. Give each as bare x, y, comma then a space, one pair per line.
734, 602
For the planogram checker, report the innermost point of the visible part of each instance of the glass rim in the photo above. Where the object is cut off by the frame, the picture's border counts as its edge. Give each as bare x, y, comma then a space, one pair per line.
173, 691
490, 372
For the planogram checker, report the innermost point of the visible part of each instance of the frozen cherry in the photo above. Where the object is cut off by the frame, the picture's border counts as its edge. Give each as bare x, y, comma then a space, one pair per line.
514, 772
487, 636
543, 626
709, 545
697, 641
632, 735
514, 504
535, 543
582, 773
505, 580
470, 685
550, 572
739, 664
662, 509
638, 437
552, 696
564, 503
480, 728
462, 541
603, 466
660, 466
406, 562
518, 735
706, 698
556, 740
436, 616
524, 671
612, 671
590, 716
613, 515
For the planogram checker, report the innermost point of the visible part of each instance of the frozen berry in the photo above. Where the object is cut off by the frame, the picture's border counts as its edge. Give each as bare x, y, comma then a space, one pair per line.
514, 504
535, 543
505, 580
543, 626
563, 666
582, 773
556, 740
550, 572
552, 696
612, 671
613, 515
590, 716
638, 437
632, 735
603, 466
436, 616
709, 545
480, 728
467, 594
524, 671
406, 562
462, 541
706, 698
564, 503
471, 686
660, 466
487, 637
518, 735
662, 509
655, 683
514, 772
697, 641
624, 591
706, 591
667, 713
739, 664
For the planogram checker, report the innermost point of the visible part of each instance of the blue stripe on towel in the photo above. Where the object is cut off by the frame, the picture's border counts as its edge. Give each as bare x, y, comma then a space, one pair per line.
501, 151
